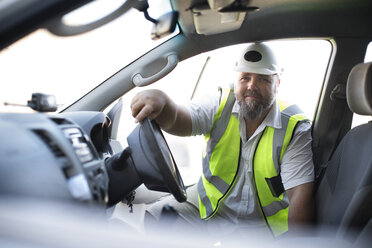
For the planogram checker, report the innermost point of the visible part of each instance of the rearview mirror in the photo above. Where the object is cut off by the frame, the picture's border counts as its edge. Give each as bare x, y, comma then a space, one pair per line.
165, 25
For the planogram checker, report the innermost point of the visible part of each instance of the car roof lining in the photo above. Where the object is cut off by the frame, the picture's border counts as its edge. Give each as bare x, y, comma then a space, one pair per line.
275, 21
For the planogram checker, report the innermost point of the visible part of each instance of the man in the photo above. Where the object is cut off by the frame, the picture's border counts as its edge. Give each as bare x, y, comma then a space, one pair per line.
257, 165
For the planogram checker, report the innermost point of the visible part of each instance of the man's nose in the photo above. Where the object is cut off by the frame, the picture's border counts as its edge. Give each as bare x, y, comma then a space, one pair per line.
252, 83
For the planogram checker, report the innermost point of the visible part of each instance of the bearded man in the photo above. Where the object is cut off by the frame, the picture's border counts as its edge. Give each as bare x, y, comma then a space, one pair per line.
257, 164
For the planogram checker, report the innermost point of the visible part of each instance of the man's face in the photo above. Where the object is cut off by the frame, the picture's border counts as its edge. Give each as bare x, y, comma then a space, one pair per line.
255, 93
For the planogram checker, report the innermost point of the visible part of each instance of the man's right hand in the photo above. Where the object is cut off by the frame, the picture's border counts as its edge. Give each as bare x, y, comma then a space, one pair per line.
156, 105
148, 103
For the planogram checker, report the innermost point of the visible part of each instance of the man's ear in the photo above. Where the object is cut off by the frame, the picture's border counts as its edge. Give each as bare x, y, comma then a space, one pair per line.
234, 85
278, 79
278, 83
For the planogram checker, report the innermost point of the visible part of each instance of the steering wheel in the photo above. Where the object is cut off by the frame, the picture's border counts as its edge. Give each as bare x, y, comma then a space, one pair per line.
154, 161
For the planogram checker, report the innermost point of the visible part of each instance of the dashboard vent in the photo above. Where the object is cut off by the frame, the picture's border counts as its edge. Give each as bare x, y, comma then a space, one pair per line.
60, 121
80, 144
64, 162
50, 143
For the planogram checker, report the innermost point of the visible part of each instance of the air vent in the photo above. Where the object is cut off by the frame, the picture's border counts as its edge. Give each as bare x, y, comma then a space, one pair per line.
80, 144
52, 145
60, 121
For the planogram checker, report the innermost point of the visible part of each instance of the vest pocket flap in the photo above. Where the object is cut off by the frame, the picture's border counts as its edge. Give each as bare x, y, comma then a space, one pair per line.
275, 185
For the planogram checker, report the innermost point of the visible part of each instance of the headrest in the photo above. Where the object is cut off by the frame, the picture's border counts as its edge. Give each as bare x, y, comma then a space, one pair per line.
359, 89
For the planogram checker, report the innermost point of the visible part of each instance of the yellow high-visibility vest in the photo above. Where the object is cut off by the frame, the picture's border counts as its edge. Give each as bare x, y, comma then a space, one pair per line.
221, 161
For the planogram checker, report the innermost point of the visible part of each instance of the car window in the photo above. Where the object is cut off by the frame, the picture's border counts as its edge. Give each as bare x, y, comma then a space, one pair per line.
304, 64
361, 119
69, 67
179, 85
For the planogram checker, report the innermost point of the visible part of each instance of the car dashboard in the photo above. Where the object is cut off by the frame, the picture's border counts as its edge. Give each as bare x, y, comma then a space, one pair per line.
57, 157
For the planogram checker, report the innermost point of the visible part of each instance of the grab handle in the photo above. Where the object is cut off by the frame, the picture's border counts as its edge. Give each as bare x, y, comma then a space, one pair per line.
139, 81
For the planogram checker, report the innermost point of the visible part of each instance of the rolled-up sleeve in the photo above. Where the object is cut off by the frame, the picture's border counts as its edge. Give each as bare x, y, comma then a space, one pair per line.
202, 111
297, 163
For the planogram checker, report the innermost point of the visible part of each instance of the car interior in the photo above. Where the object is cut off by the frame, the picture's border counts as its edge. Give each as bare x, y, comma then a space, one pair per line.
342, 197
70, 166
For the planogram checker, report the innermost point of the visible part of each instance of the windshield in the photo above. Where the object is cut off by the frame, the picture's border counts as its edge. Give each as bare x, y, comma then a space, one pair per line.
69, 67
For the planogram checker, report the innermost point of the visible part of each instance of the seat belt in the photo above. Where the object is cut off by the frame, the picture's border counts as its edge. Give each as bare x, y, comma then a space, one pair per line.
340, 117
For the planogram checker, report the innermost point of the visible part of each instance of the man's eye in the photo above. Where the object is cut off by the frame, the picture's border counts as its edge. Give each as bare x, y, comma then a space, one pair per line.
265, 80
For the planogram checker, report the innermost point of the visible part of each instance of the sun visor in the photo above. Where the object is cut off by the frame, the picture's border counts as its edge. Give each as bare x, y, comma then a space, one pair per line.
208, 21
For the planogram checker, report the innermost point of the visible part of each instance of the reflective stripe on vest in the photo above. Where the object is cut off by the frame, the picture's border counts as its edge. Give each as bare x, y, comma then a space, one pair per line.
221, 161
212, 188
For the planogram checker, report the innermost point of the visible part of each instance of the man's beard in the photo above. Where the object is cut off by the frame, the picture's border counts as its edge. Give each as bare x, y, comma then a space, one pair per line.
253, 109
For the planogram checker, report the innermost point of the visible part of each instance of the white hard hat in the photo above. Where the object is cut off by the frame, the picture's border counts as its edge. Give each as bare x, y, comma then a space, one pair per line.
257, 58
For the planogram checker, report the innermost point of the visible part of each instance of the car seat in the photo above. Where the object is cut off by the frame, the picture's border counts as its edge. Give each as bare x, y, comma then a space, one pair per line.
344, 195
